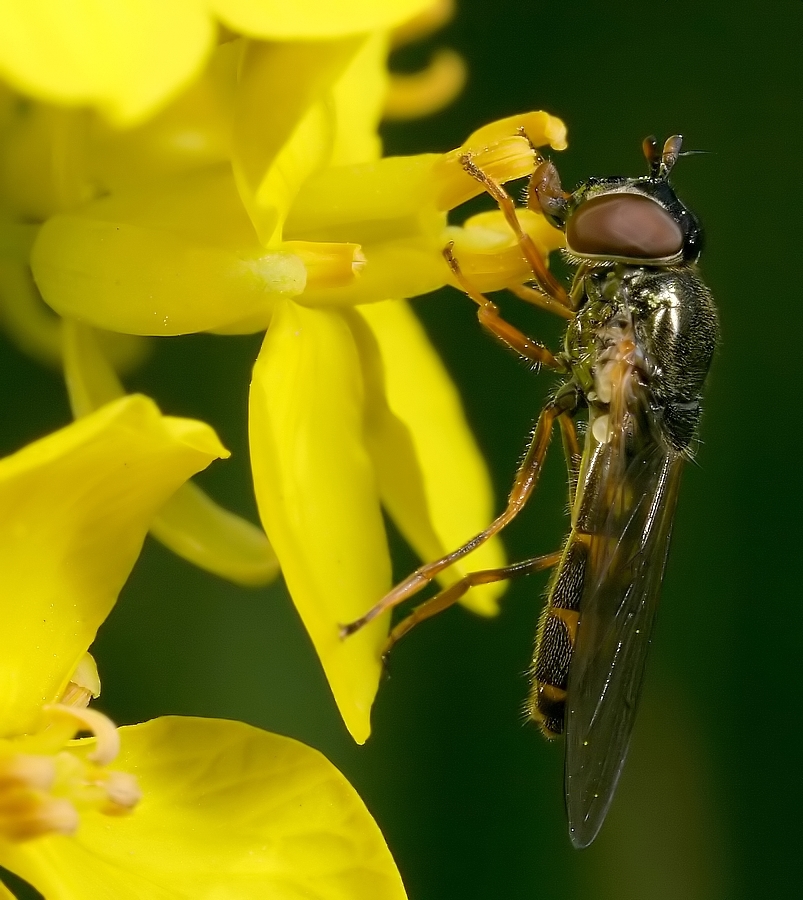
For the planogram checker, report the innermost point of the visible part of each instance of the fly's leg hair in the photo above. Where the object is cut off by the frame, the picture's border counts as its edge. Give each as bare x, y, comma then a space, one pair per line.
488, 314
526, 479
545, 280
572, 452
454, 592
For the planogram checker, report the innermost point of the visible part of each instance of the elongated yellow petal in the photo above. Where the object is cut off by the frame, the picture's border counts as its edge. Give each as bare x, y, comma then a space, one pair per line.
431, 473
283, 131
5, 893
177, 257
317, 495
74, 510
359, 97
228, 813
190, 523
127, 57
279, 20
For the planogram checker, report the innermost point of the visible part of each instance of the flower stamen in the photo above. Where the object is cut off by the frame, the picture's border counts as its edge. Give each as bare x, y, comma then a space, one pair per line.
328, 264
44, 793
102, 727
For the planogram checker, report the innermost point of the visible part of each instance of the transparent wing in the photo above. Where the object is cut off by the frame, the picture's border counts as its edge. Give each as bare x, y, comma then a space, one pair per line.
629, 506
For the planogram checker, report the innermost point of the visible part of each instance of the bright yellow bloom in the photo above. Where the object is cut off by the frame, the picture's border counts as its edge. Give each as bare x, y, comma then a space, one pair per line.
171, 808
257, 199
128, 57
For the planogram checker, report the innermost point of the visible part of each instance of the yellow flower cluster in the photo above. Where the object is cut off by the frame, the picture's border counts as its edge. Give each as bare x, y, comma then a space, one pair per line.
171, 168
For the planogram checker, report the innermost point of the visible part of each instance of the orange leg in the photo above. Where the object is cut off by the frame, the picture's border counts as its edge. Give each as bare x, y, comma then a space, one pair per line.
526, 480
545, 279
454, 592
488, 314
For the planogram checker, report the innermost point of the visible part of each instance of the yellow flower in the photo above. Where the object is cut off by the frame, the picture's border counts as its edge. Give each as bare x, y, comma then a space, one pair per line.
173, 807
128, 57
257, 199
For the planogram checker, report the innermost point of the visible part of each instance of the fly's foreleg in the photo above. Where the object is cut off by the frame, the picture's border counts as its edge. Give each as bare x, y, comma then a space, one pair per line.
546, 281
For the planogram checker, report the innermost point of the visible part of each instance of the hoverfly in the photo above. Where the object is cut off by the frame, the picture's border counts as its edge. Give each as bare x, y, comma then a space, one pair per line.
642, 328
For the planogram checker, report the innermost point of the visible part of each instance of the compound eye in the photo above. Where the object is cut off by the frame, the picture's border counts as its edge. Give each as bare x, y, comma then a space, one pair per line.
628, 225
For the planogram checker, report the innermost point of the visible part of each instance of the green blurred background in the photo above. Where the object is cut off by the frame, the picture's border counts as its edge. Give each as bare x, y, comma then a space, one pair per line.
469, 797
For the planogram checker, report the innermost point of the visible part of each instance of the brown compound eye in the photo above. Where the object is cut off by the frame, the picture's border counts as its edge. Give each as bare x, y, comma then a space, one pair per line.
628, 225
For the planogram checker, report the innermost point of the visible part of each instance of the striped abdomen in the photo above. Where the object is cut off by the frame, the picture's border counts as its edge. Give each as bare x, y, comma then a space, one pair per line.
555, 639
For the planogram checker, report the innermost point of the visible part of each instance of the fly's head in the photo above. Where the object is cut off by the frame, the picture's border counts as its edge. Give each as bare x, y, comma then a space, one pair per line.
639, 221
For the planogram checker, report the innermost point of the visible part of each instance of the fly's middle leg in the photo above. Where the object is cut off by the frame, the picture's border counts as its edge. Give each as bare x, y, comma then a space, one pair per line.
490, 319
526, 480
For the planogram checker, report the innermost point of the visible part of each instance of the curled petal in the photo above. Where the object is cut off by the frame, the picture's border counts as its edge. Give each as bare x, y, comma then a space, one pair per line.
74, 510
431, 473
126, 58
226, 811
317, 495
488, 253
426, 92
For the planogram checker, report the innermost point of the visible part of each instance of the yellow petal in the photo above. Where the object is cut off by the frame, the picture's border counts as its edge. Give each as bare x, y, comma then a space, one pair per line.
74, 510
280, 20
432, 477
196, 528
388, 208
192, 132
283, 131
178, 257
190, 523
359, 98
5, 893
228, 813
91, 381
317, 494
126, 58
37, 332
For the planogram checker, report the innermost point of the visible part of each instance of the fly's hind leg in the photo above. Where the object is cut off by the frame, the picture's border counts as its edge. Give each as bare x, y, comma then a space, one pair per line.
523, 486
454, 592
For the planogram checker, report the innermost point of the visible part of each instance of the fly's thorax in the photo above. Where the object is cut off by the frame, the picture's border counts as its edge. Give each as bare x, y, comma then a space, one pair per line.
643, 329
607, 360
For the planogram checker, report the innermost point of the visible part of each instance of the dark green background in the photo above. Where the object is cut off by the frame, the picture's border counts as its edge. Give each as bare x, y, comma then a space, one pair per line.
468, 796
